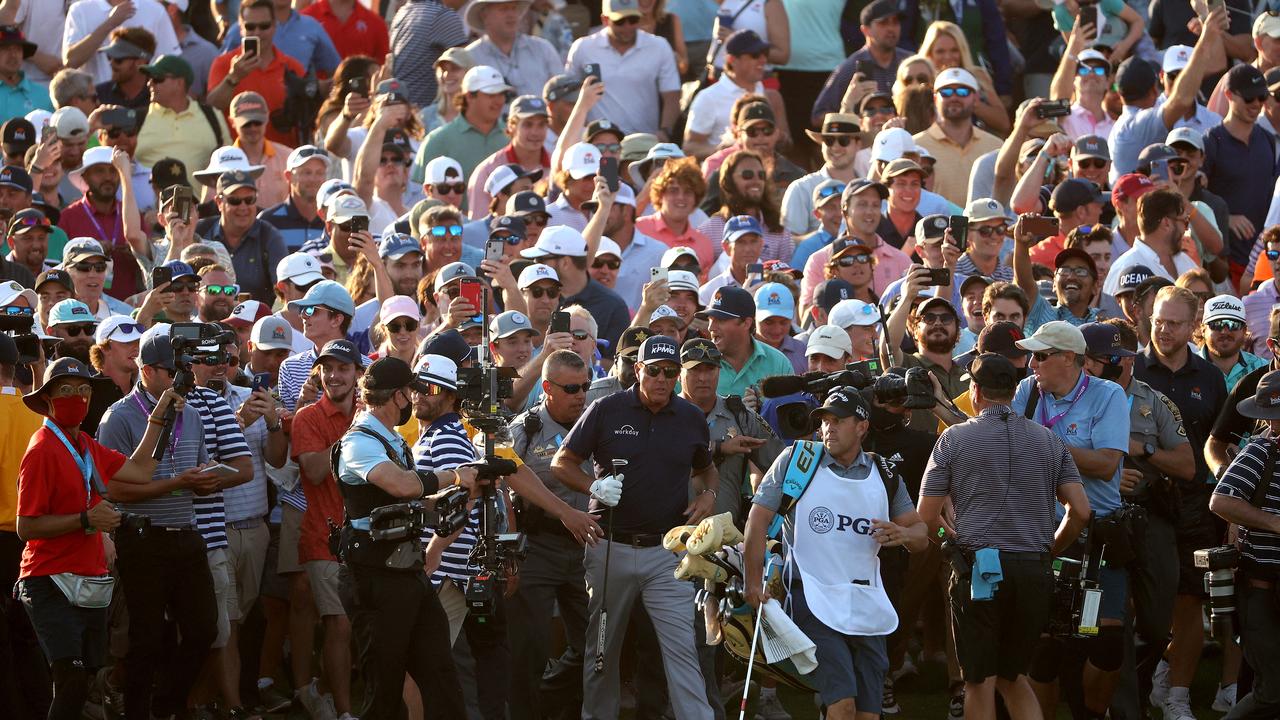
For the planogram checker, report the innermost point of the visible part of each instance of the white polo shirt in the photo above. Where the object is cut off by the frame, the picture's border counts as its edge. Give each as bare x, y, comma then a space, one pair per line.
633, 81
709, 112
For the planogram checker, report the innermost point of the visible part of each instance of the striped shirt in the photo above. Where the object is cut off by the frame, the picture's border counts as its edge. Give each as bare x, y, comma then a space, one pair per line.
295, 229
225, 441
422, 30
1001, 501
443, 446
1259, 550
248, 500
122, 428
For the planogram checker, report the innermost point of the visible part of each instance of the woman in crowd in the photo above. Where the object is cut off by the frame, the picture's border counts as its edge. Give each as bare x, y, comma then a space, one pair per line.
945, 45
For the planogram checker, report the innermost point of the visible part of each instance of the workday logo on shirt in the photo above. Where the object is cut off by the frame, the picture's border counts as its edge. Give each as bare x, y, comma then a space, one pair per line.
627, 430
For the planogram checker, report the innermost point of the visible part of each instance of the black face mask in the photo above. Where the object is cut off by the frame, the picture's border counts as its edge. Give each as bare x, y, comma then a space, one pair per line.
880, 418
406, 413
1111, 372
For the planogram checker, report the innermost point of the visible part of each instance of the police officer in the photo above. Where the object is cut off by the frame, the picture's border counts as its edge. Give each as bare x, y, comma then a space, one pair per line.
1159, 457
396, 609
837, 598
623, 374
988, 466
1239, 499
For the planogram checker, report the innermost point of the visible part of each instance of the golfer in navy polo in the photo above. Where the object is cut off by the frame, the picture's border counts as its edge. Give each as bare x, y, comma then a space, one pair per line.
638, 503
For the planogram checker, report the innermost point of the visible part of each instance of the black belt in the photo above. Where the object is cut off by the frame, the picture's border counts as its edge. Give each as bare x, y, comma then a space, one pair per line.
1011, 555
639, 540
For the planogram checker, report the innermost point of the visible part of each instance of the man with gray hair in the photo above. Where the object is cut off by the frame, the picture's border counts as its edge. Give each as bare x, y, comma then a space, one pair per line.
525, 61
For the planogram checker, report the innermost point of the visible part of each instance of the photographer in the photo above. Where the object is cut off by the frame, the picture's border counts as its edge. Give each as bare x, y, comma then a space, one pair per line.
162, 565
396, 609
837, 596
63, 532
935, 328
995, 636
1243, 496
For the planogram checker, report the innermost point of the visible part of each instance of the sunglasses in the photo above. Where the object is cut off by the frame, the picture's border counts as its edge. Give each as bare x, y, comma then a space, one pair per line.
393, 160
537, 292
988, 231
90, 266
1094, 163
310, 310
63, 391
941, 318
431, 390
1086, 70
116, 133
669, 373
440, 231
237, 202
450, 188
751, 174
128, 328
628, 20
256, 27
536, 219
228, 290
1080, 272
1273, 254
396, 327
841, 140
571, 388
184, 286
963, 92
1225, 325
881, 110
758, 130
827, 192
701, 352
1043, 355
609, 147
1107, 359
509, 238
611, 264
849, 260
14, 310
580, 334
85, 329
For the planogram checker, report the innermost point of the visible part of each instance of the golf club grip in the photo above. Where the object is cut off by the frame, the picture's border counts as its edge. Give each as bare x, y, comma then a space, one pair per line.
604, 624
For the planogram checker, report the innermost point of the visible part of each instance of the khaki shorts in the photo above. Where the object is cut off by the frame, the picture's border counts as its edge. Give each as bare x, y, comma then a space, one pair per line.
454, 602
224, 592
247, 553
323, 575
290, 533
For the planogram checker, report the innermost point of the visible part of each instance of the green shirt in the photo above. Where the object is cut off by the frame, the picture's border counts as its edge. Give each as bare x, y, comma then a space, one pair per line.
461, 141
765, 361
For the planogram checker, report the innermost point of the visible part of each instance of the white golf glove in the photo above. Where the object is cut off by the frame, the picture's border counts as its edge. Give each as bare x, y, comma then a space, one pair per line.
608, 489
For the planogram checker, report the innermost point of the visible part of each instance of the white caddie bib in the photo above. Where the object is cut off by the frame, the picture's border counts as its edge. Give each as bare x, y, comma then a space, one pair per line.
837, 556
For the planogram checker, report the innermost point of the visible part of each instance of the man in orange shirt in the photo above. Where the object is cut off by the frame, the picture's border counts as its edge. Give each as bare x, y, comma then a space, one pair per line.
262, 72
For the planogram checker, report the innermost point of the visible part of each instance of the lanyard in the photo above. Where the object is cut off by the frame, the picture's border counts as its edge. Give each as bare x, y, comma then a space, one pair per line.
1044, 403
85, 462
177, 425
103, 233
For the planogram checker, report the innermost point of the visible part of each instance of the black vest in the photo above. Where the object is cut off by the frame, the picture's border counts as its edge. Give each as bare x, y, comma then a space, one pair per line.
357, 547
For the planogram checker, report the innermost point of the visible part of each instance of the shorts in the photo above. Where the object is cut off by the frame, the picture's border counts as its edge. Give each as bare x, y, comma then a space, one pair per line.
66, 632
1196, 528
290, 533
224, 594
997, 637
247, 554
323, 575
849, 666
274, 585
1114, 582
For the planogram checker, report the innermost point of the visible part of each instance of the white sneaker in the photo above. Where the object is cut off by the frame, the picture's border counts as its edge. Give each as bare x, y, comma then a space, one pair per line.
1225, 699
770, 708
313, 702
908, 668
1159, 684
1177, 710
889, 703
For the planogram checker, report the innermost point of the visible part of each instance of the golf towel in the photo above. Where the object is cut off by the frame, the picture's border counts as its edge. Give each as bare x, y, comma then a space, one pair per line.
986, 574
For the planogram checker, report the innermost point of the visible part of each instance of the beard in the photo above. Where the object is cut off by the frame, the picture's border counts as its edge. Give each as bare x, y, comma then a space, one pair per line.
939, 342
104, 192
215, 311
78, 349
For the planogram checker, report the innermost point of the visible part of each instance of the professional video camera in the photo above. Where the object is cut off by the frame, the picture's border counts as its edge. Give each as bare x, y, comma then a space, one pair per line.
1076, 600
910, 388
1220, 583
193, 344
19, 324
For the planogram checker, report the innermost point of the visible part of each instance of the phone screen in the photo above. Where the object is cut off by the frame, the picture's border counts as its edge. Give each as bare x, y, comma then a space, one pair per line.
249, 46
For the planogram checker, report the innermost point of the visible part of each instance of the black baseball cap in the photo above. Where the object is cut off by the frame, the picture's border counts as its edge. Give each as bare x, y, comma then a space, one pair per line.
878, 10
1247, 82
730, 303
16, 135
1152, 153
1132, 277
61, 368
389, 373
62, 277
121, 117
507, 223
829, 292
659, 348
991, 371
844, 401
157, 350
1151, 285
1135, 78
1265, 403
1076, 253
631, 340
1103, 339
1074, 193
526, 203
699, 351
603, 126
1002, 338
745, 42
396, 141
15, 177
450, 344
168, 172
986, 280
340, 350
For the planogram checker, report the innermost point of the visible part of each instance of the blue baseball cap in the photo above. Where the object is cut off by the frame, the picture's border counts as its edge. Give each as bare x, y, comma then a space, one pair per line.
774, 300
730, 303
181, 269
70, 312
396, 245
156, 348
329, 294
740, 225
1103, 339
1131, 277
659, 348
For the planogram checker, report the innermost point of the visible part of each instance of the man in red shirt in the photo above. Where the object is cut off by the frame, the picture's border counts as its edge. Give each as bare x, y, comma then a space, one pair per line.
315, 429
262, 72
353, 28
61, 516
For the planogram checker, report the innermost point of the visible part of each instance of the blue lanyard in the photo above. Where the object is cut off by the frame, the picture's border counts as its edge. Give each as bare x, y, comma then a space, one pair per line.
1044, 402
85, 462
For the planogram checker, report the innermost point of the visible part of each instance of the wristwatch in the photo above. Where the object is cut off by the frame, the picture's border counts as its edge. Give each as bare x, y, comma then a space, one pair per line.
1148, 450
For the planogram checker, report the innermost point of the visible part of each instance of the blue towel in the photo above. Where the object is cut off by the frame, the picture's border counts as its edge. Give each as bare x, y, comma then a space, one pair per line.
986, 574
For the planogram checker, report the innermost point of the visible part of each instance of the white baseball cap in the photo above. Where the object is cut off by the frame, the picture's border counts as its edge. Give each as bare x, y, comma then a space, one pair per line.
673, 254
328, 189
437, 370
1056, 335
1187, 135
955, 76
829, 340
536, 273
451, 272
1091, 55
774, 300
582, 160
299, 268
682, 280
68, 122
304, 153
891, 144
851, 312
608, 247
1176, 58
442, 169
664, 312
119, 328
1224, 307
484, 79
271, 333
558, 240
346, 207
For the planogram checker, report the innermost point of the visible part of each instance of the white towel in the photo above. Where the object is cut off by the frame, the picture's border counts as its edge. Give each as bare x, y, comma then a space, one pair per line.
783, 639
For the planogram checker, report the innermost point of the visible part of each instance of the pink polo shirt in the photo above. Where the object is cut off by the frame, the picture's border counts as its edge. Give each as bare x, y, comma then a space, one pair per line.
655, 227
891, 264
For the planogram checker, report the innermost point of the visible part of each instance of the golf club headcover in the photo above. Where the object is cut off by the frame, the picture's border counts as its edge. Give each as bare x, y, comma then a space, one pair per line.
675, 538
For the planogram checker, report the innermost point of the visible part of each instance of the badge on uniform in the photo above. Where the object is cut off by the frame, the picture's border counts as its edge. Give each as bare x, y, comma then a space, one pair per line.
1145, 411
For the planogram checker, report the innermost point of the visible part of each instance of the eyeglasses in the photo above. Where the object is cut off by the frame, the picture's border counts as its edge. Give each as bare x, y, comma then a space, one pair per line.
14, 310
987, 231
609, 147
1080, 272
190, 286
827, 192
1043, 355
849, 260
963, 92
1225, 325
396, 327
751, 174
228, 290
237, 202
881, 110
439, 231
115, 133
1086, 70
571, 388
941, 318
537, 292
127, 328
628, 20
256, 27
63, 391
90, 267
841, 140
1162, 323
669, 373
78, 329
450, 188
611, 264
758, 130
1092, 163
580, 334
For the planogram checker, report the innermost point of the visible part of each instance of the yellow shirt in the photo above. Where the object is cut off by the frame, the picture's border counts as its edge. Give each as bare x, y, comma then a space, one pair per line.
186, 136
957, 159
966, 407
17, 425
412, 430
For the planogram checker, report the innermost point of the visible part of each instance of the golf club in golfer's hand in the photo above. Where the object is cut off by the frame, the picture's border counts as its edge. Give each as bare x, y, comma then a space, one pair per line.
608, 489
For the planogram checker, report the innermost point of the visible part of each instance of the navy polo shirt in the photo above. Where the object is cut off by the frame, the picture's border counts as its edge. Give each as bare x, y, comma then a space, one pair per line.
609, 310
1199, 391
662, 450
1243, 175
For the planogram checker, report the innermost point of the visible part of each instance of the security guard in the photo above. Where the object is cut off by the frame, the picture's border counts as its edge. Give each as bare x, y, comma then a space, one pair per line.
397, 611
552, 572
623, 375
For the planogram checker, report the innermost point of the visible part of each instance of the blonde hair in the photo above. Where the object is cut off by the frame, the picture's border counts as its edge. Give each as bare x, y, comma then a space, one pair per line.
903, 69
583, 314
953, 31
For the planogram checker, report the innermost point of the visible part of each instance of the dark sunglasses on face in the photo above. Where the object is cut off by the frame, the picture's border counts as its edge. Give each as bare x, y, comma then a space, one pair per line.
848, 261
116, 133
1086, 70
257, 27
396, 327
509, 238
450, 188
1107, 359
536, 219
537, 292
393, 160
669, 373
228, 290
1225, 325
881, 110
1043, 355
611, 264
758, 130
1273, 254
609, 147
85, 329
628, 20
580, 334
751, 174
440, 231
991, 231
941, 318
841, 140
184, 286
916, 79
571, 388
90, 267
237, 202
14, 310
1093, 163
963, 92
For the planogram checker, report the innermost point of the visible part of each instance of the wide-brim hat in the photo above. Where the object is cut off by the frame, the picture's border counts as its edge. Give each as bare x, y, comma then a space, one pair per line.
61, 368
471, 13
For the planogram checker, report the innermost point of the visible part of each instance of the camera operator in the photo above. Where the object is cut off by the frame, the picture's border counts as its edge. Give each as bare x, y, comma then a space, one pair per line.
996, 628
63, 533
935, 327
396, 608
621, 427
828, 350
1158, 459
837, 597
162, 566
1244, 496
1091, 416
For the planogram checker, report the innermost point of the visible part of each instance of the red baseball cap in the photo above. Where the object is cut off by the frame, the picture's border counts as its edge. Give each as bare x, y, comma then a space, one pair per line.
247, 313
1131, 187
